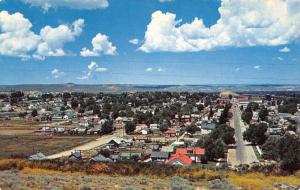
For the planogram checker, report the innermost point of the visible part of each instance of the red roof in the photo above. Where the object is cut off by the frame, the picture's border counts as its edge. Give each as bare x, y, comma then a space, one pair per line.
195, 151
185, 160
170, 131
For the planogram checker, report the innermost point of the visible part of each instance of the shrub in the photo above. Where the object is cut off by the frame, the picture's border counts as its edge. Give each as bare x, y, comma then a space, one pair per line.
178, 183
218, 184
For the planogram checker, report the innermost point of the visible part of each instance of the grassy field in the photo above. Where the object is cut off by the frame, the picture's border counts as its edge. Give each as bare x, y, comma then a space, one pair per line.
18, 139
22, 174
25, 145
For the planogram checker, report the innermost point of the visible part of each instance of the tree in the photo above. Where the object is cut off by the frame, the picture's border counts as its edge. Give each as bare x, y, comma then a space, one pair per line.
192, 129
223, 132
270, 149
130, 127
292, 128
256, 134
253, 106
96, 110
247, 116
288, 108
163, 127
66, 95
74, 104
263, 114
289, 152
34, 113
215, 148
22, 114
107, 127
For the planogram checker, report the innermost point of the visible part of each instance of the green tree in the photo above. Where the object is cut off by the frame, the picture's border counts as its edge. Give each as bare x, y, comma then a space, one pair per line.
74, 104
192, 129
130, 127
288, 108
289, 152
34, 113
223, 132
247, 116
270, 149
263, 114
253, 106
163, 127
215, 148
256, 134
107, 127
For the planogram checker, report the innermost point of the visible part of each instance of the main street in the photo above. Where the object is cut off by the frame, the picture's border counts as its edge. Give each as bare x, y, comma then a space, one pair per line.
243, 153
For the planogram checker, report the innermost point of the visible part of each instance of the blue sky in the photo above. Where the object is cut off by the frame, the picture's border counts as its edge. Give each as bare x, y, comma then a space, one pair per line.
176, 42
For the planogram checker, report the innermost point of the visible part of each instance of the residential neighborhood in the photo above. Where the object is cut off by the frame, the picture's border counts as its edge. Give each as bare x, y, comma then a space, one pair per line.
160, 127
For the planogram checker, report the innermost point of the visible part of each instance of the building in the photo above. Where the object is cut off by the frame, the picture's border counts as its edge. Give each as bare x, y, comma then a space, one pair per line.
193, 153
179, 160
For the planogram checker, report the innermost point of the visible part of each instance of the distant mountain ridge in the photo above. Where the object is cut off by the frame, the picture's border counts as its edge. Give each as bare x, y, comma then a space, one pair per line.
119, 88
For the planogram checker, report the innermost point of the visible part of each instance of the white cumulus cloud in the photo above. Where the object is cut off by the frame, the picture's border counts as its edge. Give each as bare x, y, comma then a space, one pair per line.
92, 67
73, 4
285, 50
101, 45
56, 73
149, 69
241, 24
53, 39
257, 67
17, 38
134, 41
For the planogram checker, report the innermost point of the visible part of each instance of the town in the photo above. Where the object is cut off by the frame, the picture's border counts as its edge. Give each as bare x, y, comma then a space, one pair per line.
211, 130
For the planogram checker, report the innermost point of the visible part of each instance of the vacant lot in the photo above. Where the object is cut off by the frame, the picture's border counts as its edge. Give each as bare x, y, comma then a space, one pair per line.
24, 145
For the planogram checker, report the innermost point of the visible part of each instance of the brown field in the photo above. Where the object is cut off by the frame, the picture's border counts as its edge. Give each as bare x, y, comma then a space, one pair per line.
24, 145
18, 139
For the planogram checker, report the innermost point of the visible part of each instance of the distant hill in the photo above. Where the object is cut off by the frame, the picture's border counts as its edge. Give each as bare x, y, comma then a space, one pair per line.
119, 88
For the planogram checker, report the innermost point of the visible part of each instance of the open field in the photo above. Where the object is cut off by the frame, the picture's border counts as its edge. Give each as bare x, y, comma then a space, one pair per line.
18, 139
25, 145
22, 174
40, 179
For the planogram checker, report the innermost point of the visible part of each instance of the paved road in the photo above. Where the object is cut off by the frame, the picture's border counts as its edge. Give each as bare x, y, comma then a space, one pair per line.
87, 146
244, 153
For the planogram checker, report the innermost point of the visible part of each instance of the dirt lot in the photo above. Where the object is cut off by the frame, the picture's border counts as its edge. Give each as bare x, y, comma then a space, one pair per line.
18, 139
25, 145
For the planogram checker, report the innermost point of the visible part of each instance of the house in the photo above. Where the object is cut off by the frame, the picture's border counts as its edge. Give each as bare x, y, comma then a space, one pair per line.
170, 133
193, 153
206, 128
158, 156
117, 142
179, 160
75, 156
100, 158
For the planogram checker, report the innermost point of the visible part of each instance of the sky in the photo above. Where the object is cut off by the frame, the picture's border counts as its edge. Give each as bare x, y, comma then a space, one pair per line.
149, 42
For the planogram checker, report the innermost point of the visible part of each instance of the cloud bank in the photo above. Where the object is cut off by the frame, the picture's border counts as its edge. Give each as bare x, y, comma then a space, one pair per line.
241, 24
